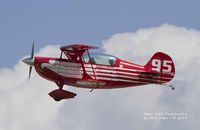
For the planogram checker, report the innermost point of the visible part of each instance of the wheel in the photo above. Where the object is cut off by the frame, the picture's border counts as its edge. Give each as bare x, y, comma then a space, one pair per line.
57, 99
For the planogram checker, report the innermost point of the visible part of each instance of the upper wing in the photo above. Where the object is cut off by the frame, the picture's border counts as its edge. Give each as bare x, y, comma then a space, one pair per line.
76, 50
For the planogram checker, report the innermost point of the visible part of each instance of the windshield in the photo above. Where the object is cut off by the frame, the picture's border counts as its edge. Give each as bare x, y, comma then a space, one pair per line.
98, 58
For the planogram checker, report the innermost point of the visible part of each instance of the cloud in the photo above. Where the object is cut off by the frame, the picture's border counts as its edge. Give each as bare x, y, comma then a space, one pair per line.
184, 46
26, 105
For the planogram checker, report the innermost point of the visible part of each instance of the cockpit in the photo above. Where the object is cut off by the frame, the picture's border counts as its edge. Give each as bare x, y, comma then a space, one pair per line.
99, 58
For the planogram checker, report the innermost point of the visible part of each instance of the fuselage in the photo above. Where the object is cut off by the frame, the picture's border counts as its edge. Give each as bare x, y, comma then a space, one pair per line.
106, 76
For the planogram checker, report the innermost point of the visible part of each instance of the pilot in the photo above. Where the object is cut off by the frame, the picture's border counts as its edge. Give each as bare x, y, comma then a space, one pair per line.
112, 61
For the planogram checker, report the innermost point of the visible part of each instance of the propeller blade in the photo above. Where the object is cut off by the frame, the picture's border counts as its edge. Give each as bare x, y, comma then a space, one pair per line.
30, 61
30, 70
32, 56
32, 52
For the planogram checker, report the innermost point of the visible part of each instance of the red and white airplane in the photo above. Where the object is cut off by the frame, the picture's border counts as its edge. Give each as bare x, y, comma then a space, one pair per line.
79, 68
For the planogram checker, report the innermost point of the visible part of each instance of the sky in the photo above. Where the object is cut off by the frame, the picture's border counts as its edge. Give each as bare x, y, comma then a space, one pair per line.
132, 30
26, 105
76, 21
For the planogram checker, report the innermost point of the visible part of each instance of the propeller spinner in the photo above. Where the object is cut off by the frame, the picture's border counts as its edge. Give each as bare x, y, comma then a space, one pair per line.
30, 61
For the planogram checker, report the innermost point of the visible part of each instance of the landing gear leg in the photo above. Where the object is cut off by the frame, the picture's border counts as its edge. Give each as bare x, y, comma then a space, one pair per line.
60, 94
170, 86
60, 85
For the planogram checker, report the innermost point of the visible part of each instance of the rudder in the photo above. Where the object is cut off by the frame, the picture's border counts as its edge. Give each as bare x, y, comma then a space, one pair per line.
161, 64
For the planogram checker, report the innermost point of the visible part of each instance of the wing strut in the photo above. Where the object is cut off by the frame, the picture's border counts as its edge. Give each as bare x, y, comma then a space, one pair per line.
91, 64
85, 75
92, 71
61, 54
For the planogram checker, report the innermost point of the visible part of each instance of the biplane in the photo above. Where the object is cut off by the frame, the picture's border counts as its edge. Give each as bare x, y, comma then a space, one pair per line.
78, 67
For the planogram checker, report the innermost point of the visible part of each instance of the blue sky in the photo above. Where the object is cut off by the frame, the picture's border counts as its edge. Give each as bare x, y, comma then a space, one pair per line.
83, 21
91, 21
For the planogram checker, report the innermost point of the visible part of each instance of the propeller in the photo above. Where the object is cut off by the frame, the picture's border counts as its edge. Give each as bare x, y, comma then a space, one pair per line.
30, 61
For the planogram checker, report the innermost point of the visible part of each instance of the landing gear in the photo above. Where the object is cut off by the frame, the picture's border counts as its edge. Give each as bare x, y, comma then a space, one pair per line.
173, 88
170, 86
57, 99
60, 94
60, 85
